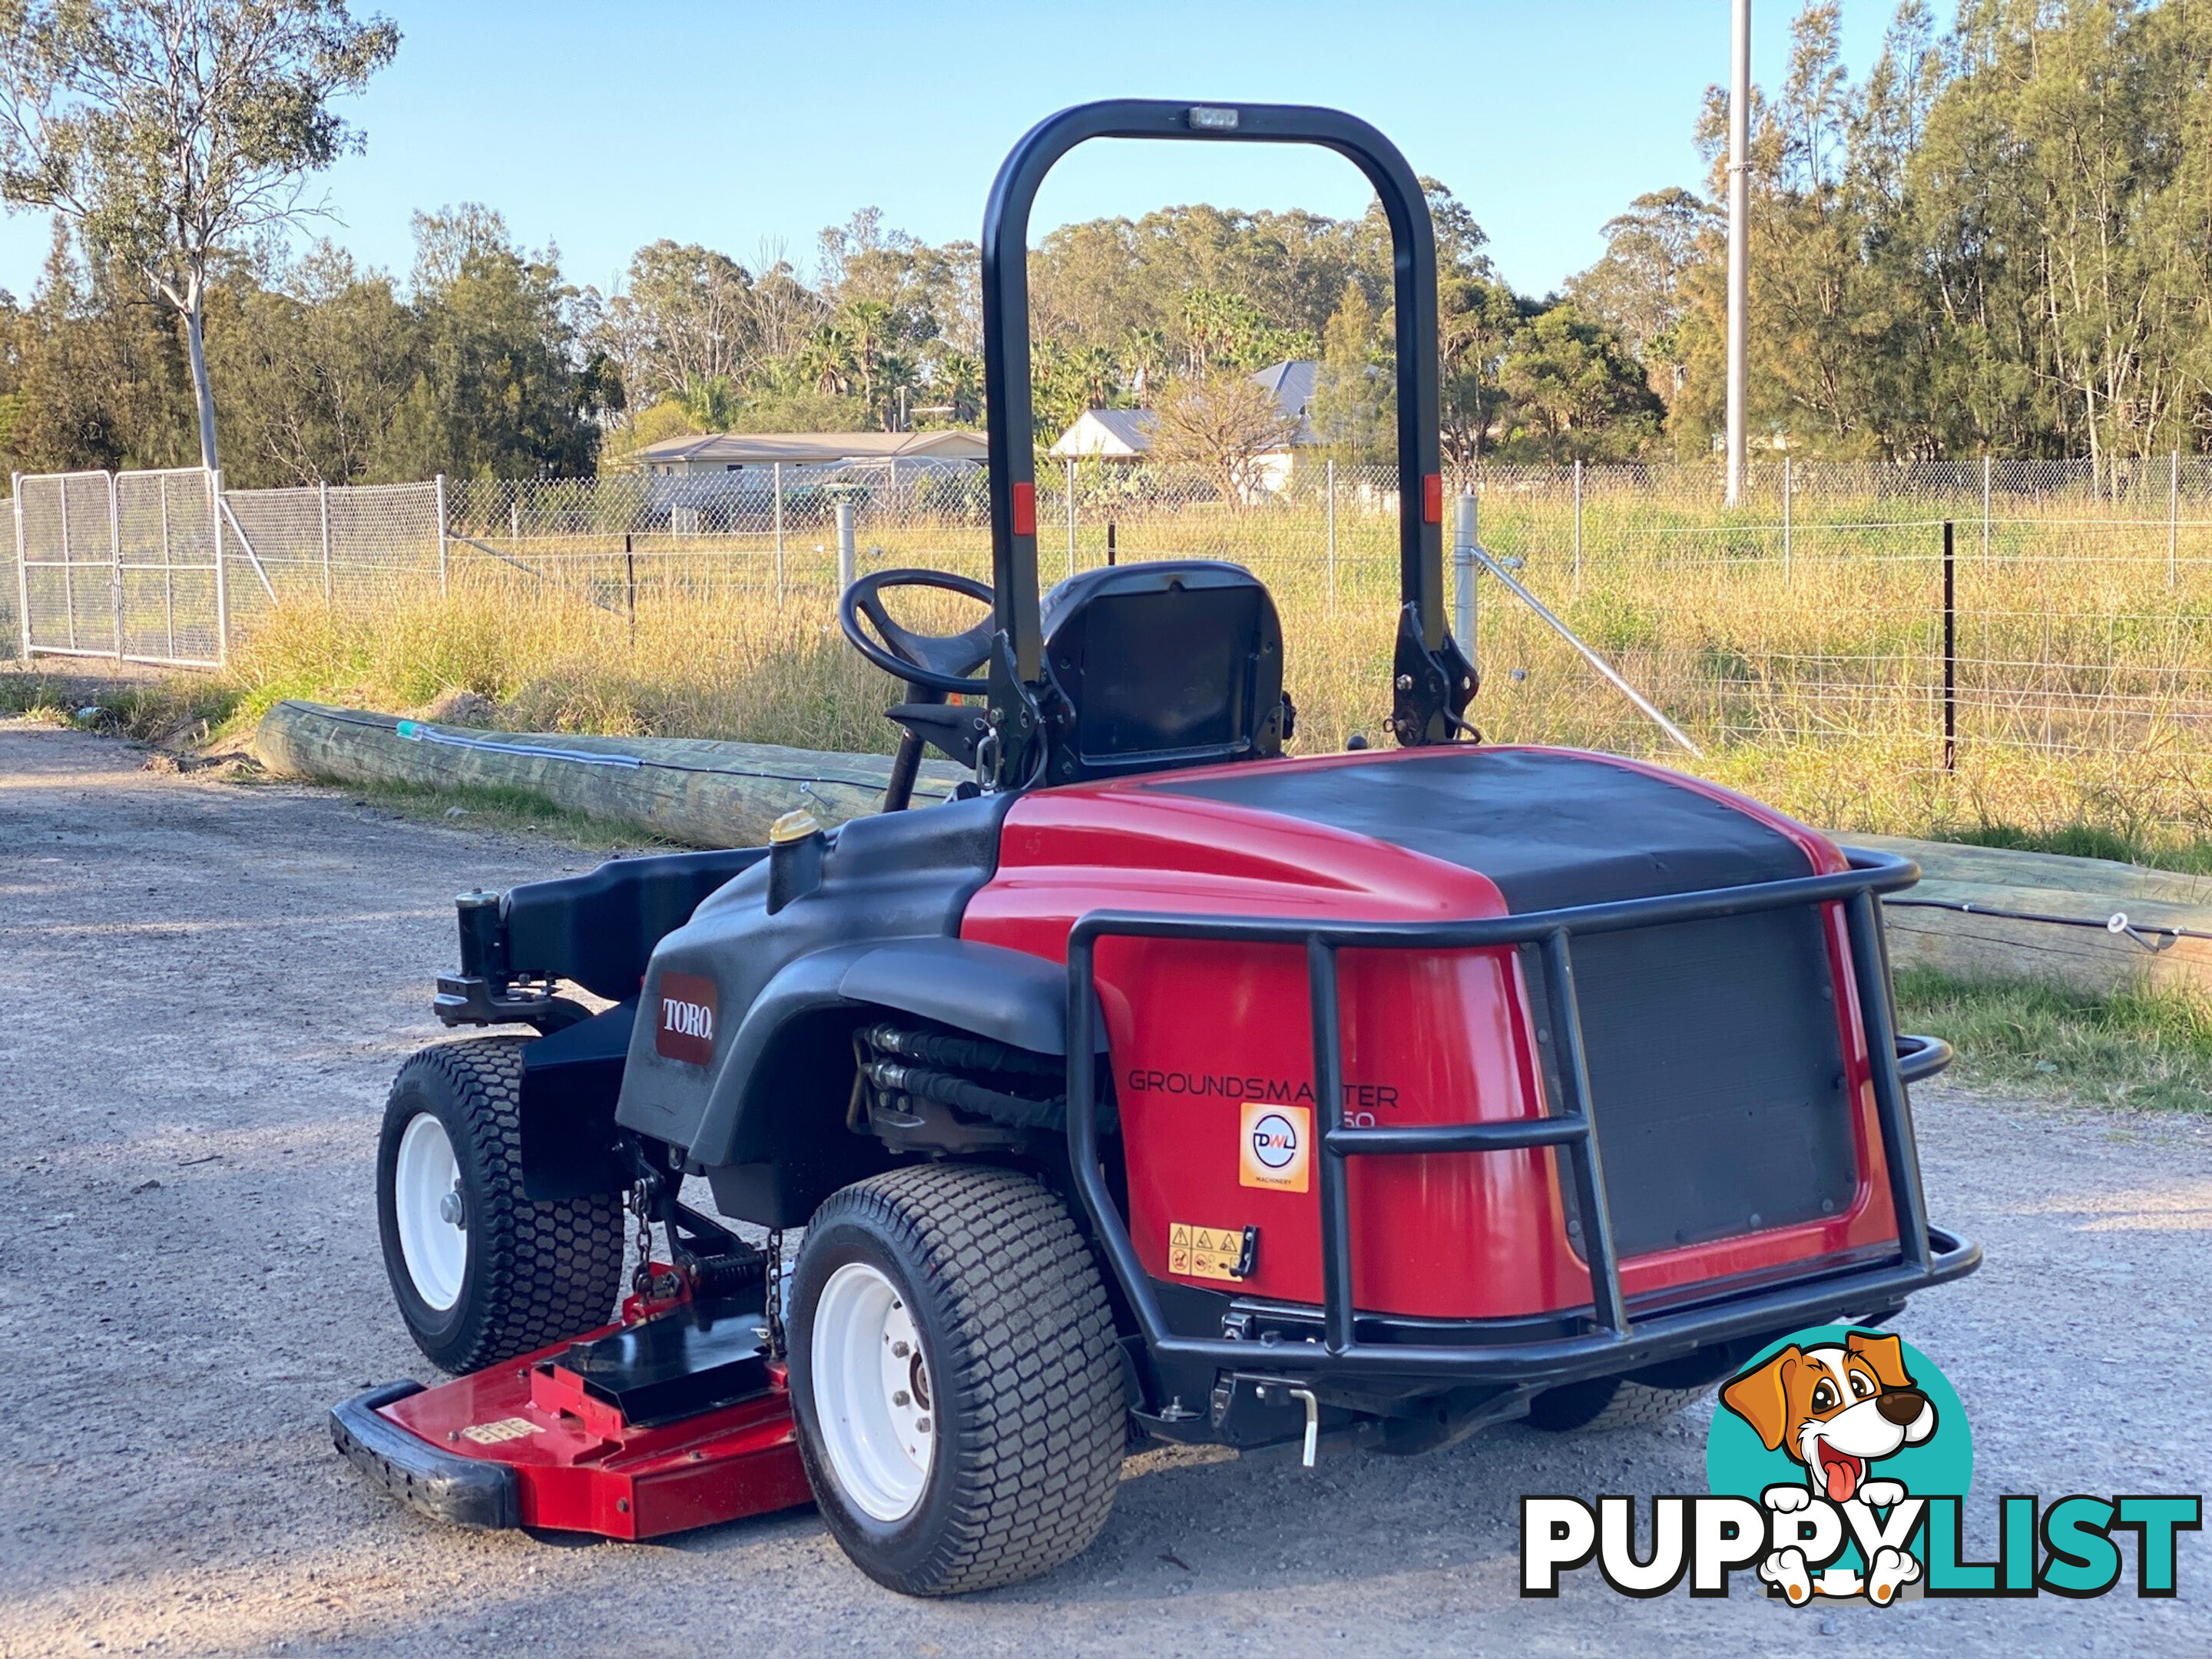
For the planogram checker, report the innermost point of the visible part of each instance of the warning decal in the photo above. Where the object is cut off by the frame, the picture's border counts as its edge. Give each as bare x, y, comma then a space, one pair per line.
1203, 1252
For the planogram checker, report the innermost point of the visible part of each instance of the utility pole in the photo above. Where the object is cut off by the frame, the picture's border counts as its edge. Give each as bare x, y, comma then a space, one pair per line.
1739, 257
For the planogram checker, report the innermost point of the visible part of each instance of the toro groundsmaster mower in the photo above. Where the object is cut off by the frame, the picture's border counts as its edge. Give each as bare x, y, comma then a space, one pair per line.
1158, 1084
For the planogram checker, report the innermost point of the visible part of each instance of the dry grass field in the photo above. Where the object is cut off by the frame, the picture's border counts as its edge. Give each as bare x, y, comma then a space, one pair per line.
1805, 661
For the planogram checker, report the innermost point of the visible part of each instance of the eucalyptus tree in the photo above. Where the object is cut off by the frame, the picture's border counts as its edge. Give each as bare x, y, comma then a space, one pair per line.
171, 134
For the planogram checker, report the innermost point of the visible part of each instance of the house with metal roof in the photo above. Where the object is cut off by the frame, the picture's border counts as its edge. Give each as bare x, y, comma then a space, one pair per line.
740, 451
1125, 434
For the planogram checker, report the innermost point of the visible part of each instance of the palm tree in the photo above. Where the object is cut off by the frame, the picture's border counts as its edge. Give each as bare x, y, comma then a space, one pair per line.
955, 380
826, 361
873, 329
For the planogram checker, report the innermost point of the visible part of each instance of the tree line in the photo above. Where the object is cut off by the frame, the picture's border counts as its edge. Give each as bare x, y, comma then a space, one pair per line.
1999, 240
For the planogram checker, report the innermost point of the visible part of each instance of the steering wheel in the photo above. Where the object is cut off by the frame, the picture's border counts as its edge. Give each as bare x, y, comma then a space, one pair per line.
938, 662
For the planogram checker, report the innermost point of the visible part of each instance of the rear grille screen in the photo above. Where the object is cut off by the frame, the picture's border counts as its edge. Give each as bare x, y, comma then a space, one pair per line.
1717, 1077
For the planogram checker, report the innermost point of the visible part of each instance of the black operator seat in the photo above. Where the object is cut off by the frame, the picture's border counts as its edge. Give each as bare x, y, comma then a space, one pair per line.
1164, 665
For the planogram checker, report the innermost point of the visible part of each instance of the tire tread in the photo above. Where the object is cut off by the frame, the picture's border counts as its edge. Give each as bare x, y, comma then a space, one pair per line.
1035, 1354
546, 1270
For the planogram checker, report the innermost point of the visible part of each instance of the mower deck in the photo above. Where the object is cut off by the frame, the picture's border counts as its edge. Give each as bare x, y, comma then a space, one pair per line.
671, 1419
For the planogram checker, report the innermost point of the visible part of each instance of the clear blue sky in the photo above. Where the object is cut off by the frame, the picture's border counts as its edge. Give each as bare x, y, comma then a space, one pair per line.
600, 128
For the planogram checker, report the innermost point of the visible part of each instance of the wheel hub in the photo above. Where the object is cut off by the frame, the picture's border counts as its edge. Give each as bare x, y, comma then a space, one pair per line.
871, 1393
433, 1222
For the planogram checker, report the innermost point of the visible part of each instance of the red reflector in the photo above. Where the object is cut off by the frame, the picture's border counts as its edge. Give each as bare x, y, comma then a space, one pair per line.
1025, 509
1432, 499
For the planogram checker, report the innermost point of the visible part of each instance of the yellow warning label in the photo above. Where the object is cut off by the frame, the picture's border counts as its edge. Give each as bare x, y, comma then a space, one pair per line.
1198, 1252
507, 1428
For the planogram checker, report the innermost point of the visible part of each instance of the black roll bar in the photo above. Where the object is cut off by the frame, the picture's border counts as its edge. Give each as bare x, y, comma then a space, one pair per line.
1413, 276
1612, 1340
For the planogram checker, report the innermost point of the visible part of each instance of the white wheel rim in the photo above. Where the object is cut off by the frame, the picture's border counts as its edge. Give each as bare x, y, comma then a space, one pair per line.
873, 1394
433, 1234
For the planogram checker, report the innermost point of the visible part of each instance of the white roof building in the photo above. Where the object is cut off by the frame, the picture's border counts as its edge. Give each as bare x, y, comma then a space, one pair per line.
1124, 434
738, 451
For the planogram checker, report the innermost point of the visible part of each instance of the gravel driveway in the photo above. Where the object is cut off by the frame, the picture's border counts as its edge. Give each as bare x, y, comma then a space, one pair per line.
207, 989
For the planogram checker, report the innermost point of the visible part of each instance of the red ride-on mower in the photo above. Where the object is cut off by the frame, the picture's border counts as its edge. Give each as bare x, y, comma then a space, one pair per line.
1158, 1085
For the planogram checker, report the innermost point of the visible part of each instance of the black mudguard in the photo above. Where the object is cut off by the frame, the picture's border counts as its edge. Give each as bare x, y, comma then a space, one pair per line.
771, 1164
570, 1082
599, 929
764, 1076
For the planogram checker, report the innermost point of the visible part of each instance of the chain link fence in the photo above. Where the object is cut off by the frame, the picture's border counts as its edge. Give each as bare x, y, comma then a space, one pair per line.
2071, 623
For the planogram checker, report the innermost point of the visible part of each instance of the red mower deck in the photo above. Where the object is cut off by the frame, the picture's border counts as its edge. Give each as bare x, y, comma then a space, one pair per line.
671, 1419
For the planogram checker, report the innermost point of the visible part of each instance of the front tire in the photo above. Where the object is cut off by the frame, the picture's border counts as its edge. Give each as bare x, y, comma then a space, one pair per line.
989, 1450
481, 1273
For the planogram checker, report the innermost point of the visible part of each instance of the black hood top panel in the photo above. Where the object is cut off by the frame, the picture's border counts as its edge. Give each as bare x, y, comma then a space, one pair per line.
1552, 829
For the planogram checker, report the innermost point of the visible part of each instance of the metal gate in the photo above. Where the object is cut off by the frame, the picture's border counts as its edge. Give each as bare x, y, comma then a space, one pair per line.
128, 566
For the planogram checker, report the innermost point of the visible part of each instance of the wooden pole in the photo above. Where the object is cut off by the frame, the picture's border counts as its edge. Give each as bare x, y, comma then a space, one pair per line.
707, 794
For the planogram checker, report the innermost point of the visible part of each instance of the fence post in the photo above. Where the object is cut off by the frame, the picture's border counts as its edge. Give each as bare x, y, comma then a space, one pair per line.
322, 501
1071, 515
221, 581
1578, 526
1463, 574
1950, 654
168, 574
1984, 506
2172, 515
69, 562
115, 561
846, 562
776, 470
1330, 490
22, 570
441, 535
1110, 544
629, 577
1789, 486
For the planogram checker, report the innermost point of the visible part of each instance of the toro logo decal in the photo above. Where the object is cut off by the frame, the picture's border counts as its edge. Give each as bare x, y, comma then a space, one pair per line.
1277, 1147
1840, 1463
685, 1031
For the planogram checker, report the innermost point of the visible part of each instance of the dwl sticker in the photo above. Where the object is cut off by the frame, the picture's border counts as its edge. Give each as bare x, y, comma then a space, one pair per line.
1277, 1149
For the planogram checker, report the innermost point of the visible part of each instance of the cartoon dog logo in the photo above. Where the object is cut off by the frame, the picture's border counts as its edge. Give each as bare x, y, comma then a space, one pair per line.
1837, 1409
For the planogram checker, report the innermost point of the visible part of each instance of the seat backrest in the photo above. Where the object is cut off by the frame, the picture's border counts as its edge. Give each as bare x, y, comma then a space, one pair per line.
1172, 664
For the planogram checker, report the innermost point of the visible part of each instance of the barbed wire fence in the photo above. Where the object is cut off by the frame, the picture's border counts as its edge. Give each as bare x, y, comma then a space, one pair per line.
2076, 601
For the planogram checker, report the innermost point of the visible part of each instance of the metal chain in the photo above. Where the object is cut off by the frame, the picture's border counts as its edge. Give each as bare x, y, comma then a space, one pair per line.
640, 1199
775, 1293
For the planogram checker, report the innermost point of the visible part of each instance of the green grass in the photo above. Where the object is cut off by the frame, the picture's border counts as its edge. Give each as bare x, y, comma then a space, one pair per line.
507, 811
187, 709
2087, 840
2141, 1048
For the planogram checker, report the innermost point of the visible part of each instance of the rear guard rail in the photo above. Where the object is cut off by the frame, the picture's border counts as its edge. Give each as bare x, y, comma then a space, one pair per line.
1927, 1256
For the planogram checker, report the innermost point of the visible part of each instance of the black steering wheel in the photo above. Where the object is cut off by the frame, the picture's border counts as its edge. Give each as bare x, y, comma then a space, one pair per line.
937, 662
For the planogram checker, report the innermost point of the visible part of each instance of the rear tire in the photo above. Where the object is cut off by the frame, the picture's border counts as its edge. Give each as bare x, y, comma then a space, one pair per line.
1599, 1403
990, 1452
481, 1273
